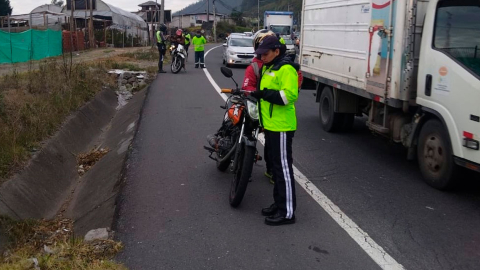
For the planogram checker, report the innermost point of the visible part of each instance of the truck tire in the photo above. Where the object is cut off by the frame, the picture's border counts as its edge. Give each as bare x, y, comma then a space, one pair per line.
435, 156
330, 120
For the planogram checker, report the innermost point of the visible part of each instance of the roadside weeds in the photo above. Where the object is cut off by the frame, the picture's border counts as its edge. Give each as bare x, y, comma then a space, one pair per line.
53, 245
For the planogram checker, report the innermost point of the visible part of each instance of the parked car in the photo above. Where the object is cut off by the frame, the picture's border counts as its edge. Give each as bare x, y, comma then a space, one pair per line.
238, 50
290, 46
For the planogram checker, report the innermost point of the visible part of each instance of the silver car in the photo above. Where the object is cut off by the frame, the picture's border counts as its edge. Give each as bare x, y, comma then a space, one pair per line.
238, 50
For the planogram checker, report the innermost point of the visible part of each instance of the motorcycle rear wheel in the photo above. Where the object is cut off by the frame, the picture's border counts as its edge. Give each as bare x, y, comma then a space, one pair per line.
246, 159
177, 64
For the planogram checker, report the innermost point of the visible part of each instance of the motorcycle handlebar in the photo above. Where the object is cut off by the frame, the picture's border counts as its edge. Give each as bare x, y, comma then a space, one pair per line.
226, 90
231, 91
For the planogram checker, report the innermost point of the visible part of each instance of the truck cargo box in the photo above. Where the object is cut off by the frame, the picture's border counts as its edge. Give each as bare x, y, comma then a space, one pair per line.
369, 47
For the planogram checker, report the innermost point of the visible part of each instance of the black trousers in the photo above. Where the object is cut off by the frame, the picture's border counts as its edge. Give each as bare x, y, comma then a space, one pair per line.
200, 59
161, 51
280, 156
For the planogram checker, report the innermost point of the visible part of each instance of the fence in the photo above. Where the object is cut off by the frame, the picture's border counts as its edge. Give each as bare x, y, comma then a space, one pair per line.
29, 45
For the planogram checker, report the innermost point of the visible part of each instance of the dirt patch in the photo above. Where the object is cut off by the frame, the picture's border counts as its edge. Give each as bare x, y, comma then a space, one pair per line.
87, 160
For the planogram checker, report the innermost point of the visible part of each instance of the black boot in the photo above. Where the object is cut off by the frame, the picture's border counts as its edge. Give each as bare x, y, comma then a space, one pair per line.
277, 220
160, 68
270, 211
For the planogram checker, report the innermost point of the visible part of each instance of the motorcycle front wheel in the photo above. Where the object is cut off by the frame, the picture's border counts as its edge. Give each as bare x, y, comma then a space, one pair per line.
246, 159
177, 64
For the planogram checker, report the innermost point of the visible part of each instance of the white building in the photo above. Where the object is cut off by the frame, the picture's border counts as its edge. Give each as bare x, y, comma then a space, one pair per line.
190, 20
122, 20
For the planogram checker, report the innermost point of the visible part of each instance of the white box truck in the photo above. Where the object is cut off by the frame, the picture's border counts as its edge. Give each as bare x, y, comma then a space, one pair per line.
279, 22
411, 66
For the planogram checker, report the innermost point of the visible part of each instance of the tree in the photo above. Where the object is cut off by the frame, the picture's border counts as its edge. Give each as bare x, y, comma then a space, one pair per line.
237, 17
5, 8
57, 2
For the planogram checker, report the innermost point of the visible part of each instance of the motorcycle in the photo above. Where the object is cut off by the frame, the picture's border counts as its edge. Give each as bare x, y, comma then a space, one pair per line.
236, 140
178, 57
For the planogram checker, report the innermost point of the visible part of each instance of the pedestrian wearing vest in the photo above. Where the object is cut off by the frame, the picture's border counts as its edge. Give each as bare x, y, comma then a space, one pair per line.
276, 94
162, 47
188, 38
199, 42
252, 76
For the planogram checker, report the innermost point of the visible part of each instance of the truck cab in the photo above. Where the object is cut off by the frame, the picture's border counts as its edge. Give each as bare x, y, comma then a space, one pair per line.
449, 80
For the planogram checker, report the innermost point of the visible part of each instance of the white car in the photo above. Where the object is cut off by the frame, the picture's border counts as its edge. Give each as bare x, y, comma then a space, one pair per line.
290, 46
238, 50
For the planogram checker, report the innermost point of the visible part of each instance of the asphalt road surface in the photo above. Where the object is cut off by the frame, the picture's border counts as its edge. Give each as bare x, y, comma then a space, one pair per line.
174, 211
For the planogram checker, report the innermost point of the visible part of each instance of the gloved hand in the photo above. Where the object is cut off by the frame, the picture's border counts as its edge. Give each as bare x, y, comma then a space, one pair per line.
257, 94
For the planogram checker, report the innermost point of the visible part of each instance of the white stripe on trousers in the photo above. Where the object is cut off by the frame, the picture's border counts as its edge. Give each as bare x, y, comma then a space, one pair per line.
286, 173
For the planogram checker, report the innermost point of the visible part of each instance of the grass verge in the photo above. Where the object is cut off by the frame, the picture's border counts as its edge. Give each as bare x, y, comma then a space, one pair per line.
34, 104
40, 244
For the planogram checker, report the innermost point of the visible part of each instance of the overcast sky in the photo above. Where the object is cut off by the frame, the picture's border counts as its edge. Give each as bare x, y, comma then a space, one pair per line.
25, 6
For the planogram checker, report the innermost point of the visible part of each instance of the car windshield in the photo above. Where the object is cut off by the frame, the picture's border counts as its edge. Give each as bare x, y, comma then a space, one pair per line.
282, 30
288, 41
241, 42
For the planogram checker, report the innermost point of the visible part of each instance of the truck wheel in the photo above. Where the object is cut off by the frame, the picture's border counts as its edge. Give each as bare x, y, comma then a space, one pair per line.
435, 156
331, 121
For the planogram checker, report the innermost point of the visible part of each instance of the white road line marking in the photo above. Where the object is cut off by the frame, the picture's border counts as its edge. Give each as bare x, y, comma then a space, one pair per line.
212, 81
376, 252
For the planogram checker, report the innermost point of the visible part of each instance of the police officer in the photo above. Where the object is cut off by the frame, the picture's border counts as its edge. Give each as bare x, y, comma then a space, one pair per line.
277, 93
188, 38
162, 46
199, 44
282, 41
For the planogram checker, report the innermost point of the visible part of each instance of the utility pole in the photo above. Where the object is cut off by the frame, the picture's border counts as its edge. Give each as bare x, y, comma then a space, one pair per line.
258, 15
162, 12
90, 28
214, 24
72, 7
72, 26
208, 11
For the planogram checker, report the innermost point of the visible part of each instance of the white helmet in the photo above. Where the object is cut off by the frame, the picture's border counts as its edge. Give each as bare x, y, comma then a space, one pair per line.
259, 36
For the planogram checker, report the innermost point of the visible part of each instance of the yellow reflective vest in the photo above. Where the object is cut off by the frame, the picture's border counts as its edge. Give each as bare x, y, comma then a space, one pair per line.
199, 43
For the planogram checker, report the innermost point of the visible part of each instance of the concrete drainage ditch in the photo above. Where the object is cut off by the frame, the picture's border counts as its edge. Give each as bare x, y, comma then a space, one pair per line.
54, 181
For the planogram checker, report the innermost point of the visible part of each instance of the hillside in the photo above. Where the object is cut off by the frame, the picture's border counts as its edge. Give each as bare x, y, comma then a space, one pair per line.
221, 6
250, 8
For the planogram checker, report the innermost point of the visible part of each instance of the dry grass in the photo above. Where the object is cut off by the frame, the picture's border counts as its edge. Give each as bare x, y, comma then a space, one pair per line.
144, 54
34, 104
87, 160
52, 245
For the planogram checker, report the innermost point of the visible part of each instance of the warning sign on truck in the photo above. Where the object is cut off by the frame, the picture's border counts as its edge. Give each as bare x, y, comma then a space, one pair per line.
442, 85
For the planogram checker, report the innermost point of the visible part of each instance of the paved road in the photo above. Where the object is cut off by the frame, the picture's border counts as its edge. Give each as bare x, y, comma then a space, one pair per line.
174, 212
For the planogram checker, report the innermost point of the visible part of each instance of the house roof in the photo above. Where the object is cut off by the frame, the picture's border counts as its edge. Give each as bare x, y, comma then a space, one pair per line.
198, 13
149, 3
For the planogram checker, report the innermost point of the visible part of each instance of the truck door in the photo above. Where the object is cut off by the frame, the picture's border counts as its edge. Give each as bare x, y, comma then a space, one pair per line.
449, 71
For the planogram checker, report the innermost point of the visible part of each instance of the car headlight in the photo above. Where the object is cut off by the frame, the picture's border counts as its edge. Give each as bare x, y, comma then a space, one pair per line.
252, 109
232, 52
